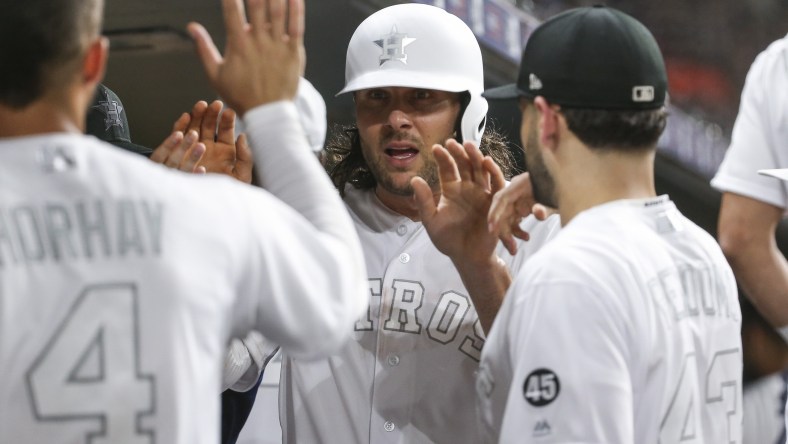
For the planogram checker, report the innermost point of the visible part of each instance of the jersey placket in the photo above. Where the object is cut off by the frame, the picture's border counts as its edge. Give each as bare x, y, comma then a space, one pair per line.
392, 398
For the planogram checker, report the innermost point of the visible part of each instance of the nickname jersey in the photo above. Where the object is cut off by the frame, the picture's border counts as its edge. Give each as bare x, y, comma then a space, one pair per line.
760, 134
623, 329
121, 283
408, 377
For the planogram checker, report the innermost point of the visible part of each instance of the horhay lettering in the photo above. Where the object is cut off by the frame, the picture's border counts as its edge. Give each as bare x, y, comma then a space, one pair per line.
98, 229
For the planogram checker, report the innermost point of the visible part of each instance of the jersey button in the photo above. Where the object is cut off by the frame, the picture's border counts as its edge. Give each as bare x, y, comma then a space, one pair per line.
404, 258
389, 426
393, 360
402, 230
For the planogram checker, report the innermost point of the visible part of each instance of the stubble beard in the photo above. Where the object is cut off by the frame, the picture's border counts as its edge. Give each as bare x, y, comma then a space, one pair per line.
383, 176
541, 181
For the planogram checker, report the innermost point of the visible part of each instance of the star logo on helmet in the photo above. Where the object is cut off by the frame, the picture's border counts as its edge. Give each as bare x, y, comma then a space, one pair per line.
111, 110
394, 45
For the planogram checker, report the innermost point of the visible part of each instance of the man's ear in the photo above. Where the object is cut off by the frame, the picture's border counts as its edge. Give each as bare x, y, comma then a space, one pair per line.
94, 64
549, 122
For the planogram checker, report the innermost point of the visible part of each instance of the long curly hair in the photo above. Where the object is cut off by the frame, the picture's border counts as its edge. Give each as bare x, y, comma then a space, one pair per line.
345, 163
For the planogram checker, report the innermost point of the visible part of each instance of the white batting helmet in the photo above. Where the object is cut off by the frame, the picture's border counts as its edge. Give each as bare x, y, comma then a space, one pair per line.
419, 46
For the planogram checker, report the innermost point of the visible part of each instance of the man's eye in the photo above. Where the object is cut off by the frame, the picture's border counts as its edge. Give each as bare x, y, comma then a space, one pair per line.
421, 95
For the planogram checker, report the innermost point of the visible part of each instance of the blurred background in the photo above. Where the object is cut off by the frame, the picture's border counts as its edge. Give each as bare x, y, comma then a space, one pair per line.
708, 47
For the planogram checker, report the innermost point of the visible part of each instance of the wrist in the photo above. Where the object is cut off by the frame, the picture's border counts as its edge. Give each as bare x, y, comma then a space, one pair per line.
479, 266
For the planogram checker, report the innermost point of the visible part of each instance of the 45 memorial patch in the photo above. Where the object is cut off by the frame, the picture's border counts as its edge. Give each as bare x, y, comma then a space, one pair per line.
541, 387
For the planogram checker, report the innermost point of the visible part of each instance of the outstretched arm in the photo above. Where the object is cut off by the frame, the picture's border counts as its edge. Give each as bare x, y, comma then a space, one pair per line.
746, 233
457, 224
510, 206
258, 77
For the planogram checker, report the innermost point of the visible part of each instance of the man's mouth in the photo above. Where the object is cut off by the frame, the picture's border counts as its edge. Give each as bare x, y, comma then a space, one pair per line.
401, 153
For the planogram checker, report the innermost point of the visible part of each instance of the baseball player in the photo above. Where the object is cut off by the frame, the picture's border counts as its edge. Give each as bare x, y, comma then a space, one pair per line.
121, 282
625, 327
245, 358
416, 75
107, 120
754, 205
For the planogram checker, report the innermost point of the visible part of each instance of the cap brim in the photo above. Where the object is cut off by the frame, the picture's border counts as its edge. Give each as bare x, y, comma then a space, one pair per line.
780, 173
509, 91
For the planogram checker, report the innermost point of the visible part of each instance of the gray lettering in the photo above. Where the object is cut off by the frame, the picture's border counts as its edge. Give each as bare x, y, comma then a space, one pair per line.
26, 226
153, 216
472, 344
689, 292
129, 233
406, 300
58, 226
6, 239
690, 288
720, 288
671, 289
375, 291
706, 297
447, 317
95, 229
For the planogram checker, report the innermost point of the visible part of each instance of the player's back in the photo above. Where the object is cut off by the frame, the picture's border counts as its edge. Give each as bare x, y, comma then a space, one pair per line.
120, 283
645, 306
679, 303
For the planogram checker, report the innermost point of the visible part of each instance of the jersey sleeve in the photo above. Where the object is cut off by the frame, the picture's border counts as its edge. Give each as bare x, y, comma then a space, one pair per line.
759, 135
570, 379
540, 232
307, 278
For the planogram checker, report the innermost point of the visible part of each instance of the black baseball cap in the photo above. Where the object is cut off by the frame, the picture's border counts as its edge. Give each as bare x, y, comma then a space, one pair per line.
593, 57
107, 120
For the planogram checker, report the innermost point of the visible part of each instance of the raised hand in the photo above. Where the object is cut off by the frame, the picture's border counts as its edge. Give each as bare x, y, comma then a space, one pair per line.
457, 224
510, 206
222, 153
182, 152
263, 56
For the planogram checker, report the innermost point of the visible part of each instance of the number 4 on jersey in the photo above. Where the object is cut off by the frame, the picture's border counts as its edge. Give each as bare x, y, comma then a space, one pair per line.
89, 369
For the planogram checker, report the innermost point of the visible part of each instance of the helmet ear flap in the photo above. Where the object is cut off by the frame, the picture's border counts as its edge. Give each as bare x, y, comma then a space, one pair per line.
474, 118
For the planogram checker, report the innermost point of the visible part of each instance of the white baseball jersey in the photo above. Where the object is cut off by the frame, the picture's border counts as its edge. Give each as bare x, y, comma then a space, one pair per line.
408, 375
121, 282
764, 402
760, 134
623, 329
245, 360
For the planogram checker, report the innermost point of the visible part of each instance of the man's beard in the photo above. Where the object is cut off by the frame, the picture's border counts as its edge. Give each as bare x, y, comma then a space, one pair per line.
541, 181
428, 172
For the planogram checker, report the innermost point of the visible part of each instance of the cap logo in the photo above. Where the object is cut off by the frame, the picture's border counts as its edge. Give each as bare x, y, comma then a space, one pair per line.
534, 82
394, 45
643, 93
111, 110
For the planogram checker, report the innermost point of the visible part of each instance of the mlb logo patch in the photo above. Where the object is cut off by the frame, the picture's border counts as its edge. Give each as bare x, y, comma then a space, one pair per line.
643, 93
